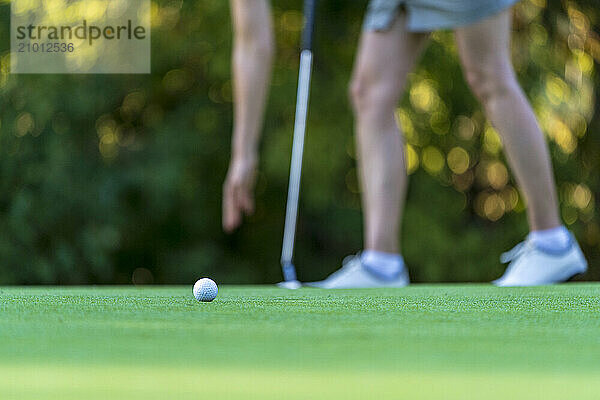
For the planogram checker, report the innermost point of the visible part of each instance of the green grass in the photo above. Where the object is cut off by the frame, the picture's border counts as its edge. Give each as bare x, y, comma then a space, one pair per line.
420, 342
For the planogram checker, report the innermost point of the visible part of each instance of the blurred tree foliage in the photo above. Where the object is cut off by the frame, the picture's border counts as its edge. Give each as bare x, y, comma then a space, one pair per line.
103, 175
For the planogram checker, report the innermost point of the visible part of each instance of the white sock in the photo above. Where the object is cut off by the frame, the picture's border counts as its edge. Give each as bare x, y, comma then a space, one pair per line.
553, 239
387, 265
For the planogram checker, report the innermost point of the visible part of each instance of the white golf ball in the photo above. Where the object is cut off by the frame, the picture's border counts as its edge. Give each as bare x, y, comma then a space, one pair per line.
205, 289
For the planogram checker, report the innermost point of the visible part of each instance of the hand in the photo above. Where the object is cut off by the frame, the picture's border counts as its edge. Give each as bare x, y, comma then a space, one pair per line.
238, 191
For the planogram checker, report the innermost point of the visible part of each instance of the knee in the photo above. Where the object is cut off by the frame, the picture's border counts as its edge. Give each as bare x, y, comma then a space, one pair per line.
368, 95
356, 92
489, 81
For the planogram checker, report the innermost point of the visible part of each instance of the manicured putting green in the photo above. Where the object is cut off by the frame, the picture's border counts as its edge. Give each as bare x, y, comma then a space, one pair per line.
421, 342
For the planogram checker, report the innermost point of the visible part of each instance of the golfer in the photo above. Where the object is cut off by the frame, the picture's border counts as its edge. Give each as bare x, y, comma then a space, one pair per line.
394, 35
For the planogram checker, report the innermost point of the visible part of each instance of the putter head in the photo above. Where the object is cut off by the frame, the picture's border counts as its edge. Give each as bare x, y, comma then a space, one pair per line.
294, 284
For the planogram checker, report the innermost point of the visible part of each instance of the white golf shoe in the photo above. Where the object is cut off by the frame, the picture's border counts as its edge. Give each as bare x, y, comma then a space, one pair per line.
533, 266
356, 275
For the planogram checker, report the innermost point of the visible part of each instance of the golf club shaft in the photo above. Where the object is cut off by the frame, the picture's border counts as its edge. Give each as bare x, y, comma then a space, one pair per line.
291, 212
304, 75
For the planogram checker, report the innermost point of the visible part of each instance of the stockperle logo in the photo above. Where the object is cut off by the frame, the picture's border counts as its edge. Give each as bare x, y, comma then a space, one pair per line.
80, 36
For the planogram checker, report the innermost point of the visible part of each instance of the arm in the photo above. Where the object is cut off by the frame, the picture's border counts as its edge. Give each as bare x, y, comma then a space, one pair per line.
251, 68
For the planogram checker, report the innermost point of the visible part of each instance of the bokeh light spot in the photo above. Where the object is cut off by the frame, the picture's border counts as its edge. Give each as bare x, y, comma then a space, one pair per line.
423, 96
581, 196
24, 124
491, 141
142, 276
412, 159
497, 174
433, 160
458, 160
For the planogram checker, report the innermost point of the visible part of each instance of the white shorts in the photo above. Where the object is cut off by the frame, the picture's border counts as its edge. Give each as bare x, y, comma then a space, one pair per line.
431, 15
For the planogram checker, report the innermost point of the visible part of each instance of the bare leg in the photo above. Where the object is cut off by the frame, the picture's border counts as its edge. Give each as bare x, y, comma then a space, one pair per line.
485, 56
382, 65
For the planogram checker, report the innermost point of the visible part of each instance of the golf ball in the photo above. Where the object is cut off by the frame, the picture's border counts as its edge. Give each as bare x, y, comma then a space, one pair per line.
205, 289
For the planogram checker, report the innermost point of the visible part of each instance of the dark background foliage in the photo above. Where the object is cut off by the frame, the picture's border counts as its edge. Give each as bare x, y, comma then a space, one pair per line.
109, 179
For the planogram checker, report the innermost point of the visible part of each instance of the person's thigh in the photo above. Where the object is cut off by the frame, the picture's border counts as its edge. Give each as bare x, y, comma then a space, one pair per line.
484, 50
384, 60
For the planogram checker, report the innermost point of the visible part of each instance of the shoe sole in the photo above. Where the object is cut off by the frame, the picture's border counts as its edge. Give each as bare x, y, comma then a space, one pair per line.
569, 279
